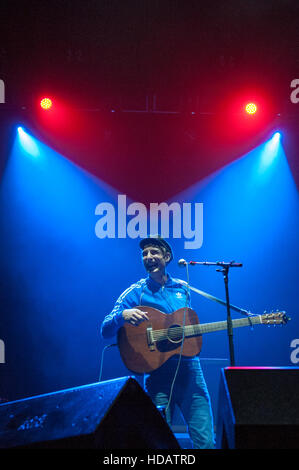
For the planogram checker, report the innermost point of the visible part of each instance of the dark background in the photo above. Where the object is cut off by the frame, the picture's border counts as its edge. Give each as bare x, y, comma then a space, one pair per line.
147, 103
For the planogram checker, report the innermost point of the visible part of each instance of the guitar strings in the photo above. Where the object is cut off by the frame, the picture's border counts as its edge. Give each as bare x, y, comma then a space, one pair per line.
177, 331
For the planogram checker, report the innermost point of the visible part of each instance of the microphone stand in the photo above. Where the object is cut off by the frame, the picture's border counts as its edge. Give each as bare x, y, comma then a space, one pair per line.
224, 269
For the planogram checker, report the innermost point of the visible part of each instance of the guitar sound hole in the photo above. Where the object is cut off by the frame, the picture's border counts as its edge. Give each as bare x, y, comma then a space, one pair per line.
175, 334
172, 340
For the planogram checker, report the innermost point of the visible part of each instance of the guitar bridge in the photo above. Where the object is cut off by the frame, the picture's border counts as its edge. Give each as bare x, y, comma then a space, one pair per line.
150, 339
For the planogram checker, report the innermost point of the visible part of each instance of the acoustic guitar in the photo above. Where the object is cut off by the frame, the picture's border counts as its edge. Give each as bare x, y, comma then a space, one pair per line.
146, 347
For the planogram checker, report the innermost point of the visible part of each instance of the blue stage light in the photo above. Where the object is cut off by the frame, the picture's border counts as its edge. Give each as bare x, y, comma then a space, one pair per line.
28, 143
276, 137
271, 150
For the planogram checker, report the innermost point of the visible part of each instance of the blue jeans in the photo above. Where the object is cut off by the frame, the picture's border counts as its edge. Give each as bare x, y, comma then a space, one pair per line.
190, 394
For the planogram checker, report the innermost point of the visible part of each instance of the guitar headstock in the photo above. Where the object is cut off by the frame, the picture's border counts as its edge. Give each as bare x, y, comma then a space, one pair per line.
275, 318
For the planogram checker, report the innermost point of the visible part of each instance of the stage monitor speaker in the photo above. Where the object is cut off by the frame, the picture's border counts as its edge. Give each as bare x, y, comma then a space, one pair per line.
258, 408
116, 414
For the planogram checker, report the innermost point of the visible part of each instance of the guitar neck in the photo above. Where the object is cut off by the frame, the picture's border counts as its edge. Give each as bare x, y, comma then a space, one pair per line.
199, 329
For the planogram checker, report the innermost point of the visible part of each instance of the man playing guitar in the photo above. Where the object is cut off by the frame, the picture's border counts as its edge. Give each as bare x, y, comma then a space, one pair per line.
178, 381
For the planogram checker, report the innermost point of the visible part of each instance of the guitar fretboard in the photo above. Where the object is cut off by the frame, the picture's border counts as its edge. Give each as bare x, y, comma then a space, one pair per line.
192, 330
176, 331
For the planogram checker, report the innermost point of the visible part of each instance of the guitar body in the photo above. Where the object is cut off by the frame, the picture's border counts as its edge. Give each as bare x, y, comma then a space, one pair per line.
149, 345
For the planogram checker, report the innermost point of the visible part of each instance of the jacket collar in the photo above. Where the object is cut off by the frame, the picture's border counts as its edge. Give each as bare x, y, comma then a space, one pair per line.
154, 285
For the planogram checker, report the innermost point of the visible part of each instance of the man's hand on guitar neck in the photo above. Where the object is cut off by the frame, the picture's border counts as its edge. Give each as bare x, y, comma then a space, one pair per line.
134, 316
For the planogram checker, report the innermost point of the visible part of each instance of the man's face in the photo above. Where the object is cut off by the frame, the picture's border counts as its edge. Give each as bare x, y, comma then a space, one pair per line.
154, 259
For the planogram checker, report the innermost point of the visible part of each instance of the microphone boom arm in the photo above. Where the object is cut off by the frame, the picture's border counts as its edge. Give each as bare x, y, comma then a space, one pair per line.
222, 302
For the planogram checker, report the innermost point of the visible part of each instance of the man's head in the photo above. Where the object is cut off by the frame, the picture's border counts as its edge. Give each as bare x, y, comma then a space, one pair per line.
156, 253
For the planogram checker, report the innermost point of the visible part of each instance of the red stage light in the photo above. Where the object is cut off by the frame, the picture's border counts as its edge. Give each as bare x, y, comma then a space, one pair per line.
251, 108
46, 103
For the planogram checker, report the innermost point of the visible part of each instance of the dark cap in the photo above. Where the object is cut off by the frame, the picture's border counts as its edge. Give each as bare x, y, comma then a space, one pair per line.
156, 240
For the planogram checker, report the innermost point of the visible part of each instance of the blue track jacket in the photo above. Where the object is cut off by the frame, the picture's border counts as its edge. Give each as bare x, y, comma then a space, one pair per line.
171, 296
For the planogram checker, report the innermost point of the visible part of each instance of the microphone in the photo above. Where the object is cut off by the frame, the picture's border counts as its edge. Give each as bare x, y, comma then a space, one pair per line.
182, 262
231, 264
